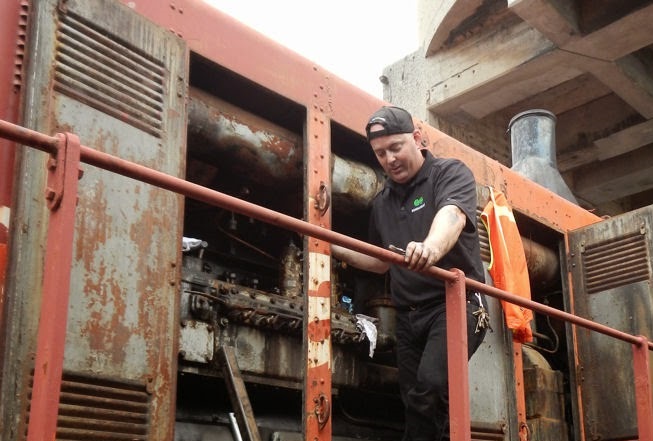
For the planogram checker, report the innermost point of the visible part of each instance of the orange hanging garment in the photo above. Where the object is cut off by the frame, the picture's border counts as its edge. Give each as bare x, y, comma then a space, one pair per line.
508, 263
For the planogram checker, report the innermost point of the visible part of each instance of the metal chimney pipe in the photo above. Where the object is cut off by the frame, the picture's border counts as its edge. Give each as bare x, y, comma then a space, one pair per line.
532, 137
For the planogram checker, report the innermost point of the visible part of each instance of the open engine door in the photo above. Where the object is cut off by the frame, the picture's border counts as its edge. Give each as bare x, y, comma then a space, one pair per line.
119, 82
610, 266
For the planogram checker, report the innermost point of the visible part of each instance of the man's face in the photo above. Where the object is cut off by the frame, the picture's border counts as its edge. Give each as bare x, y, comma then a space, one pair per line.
398, 154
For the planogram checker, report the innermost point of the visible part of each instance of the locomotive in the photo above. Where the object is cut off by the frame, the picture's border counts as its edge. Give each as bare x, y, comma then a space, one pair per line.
187, 320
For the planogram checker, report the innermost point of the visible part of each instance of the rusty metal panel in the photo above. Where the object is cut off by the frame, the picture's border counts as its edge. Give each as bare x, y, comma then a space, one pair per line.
610, 266
119, 82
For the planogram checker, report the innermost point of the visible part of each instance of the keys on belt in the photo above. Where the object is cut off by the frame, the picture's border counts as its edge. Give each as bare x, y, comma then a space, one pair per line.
482, 316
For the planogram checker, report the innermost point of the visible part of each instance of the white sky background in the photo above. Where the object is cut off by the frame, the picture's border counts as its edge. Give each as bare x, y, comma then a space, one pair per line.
354, 39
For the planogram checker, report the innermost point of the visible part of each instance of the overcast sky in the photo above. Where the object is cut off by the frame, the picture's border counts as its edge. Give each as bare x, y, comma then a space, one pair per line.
354, 39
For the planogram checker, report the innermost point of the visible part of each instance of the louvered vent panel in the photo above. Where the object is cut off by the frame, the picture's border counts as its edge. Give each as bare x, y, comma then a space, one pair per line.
97, 408
100, 70
102, 409
483, 237
615, 263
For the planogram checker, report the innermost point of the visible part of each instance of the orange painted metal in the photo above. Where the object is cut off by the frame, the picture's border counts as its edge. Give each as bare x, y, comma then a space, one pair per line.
643, 397
459, 407
13, 23
317, 320
61, 197
13, 27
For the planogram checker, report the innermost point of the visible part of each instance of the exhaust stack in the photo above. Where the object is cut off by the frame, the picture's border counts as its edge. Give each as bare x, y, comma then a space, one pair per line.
532, 136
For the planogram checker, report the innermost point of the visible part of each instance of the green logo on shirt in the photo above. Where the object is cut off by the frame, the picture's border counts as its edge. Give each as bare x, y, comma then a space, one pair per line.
419, 201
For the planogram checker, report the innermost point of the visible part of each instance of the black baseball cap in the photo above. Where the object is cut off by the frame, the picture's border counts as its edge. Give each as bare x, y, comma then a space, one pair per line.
393, 119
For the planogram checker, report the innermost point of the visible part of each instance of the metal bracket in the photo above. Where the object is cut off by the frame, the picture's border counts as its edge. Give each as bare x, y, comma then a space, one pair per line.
322, 410
68, 146
323, 199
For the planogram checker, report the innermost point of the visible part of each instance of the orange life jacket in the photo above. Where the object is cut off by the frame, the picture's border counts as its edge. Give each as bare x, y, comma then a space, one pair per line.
508, 263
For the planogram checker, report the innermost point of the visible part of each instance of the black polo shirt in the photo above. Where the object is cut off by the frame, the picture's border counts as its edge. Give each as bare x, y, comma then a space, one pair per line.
402, 213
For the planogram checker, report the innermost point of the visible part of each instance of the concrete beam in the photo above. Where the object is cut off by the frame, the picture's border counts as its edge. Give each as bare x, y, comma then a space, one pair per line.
555, 20
445, 17
630, 80
464, 71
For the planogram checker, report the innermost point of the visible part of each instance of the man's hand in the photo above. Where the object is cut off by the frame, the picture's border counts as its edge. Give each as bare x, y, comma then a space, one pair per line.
445, 229
420, 256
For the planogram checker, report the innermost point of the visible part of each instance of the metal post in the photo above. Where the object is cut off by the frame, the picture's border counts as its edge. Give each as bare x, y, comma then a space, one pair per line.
643, 398
317, 319
61, 197
520, 390
459, 409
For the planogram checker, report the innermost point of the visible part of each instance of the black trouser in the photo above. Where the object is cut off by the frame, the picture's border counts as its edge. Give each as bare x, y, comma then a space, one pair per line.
422, 363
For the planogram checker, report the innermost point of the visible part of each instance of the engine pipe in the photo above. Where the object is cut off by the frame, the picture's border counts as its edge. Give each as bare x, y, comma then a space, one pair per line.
263, 151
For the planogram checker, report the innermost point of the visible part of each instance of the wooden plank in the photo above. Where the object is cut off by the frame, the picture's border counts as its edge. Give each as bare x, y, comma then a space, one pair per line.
577, 158
617, 39
625, 141
629, 79
617, 178
577, 129
238, 394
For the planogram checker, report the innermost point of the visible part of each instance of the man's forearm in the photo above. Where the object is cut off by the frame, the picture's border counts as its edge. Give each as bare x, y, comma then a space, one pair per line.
445, 229
359, 260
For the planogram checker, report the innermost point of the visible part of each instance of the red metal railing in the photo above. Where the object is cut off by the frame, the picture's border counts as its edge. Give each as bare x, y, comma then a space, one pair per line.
61, 194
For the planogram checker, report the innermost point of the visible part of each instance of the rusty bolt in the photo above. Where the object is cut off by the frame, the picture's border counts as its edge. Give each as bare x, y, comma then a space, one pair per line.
50, 194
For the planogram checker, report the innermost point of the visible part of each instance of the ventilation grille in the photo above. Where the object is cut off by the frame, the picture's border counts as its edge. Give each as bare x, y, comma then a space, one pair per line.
19, 59
483, 237
615, 263
102, 72
97, 408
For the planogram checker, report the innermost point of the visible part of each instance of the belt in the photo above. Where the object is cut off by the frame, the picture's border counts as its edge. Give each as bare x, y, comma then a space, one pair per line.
417, 306
470, 295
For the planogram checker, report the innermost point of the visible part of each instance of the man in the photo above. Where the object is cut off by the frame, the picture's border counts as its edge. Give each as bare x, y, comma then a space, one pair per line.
428, 207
